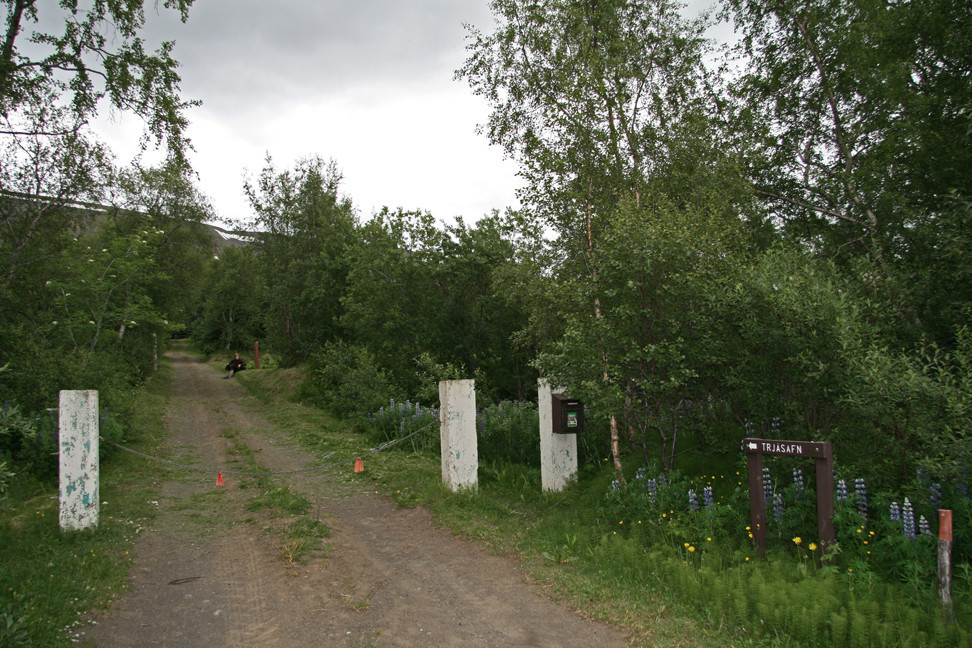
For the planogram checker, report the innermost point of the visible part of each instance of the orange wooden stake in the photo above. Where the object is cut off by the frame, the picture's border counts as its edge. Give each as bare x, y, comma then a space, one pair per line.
219, 479
358, 465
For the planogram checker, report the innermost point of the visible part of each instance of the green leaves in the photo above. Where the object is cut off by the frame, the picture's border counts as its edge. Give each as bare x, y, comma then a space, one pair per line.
81, 66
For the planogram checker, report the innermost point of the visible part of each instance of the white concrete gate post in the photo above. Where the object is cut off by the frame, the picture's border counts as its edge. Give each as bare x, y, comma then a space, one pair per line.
79, 456
558, 452
457, 434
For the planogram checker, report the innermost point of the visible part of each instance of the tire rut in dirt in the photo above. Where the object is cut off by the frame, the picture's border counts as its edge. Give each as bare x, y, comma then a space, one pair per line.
389, 578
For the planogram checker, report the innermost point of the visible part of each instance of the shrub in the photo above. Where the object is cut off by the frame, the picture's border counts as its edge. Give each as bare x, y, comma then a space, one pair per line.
30, 441
348, 380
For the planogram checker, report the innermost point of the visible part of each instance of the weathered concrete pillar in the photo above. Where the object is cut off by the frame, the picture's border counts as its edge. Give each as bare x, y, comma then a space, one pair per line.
79, 455
457, 434
558, 452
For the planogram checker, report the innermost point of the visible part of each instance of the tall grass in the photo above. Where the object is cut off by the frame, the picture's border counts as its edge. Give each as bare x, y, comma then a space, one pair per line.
634, 552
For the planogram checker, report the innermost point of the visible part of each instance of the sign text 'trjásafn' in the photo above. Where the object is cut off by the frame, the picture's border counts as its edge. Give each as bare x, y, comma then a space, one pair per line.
789, 448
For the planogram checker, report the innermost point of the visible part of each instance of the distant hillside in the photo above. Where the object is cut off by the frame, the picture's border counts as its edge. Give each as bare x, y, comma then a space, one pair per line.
12, 202
226, 238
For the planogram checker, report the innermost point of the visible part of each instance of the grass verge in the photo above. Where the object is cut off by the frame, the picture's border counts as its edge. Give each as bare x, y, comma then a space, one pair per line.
50, 579
511, 515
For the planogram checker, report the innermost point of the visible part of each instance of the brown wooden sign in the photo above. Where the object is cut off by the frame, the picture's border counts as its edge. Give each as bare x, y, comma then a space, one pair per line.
822, 453
789, 448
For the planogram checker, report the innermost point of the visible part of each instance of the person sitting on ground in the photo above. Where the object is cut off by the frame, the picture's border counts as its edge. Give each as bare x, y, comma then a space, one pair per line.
236, 364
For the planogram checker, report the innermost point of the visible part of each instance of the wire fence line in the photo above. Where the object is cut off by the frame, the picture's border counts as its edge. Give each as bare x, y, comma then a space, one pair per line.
381, 448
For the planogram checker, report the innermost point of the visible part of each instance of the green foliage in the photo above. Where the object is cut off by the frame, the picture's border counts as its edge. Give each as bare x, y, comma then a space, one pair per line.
304, 227
280, 499
651, 353
918, 406
231, 313
427, 303
843, 111
790, 328
30, 442
49, 579
348, 381
402, 419
99, 57
509, 432
13, 627
6, 476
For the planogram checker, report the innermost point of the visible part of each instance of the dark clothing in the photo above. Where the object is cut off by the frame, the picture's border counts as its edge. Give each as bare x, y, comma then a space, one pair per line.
236, 364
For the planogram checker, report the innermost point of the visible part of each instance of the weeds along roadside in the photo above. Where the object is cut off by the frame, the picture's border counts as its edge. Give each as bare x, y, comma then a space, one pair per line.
682, 593
510, 515
50, 580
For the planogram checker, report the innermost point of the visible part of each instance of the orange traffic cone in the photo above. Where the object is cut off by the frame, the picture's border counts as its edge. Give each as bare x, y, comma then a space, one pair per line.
219, 479
358, 465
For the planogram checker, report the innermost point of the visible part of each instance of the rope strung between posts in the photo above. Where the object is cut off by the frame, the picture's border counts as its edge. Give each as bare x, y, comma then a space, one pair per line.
381, 448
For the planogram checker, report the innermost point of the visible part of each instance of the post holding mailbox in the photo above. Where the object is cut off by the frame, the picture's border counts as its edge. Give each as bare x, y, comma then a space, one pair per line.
568, 415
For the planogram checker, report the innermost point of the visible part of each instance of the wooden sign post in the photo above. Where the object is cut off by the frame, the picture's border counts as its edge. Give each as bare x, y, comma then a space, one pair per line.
822, 452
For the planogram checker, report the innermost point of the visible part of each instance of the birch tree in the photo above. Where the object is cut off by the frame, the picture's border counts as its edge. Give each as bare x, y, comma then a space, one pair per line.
590, 97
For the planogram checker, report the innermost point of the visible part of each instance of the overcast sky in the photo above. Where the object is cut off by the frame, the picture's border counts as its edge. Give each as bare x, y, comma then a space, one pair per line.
368, 83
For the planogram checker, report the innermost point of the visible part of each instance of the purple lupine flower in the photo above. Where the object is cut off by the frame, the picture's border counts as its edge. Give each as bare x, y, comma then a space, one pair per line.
860, 493
935, 494
641, 473
707, 498
798, 482
841, 491
775, 427
614, 485
652, 486
750, 428
894, 514
777, 507
662, 479
908, 520
693, 500
767, 486
923, 527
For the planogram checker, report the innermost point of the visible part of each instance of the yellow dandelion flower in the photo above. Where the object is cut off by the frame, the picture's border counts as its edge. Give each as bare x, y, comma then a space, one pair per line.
797, 540
691, 549
686, 545
813, 546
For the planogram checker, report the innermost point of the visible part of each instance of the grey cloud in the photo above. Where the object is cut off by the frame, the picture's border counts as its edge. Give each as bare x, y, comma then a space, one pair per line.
235, 53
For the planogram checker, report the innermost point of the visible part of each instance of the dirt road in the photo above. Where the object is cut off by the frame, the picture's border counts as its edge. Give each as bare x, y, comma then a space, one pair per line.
207, 576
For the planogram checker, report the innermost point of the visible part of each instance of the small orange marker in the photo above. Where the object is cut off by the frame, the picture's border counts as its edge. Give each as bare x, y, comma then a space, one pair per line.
219, 479
358, 465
